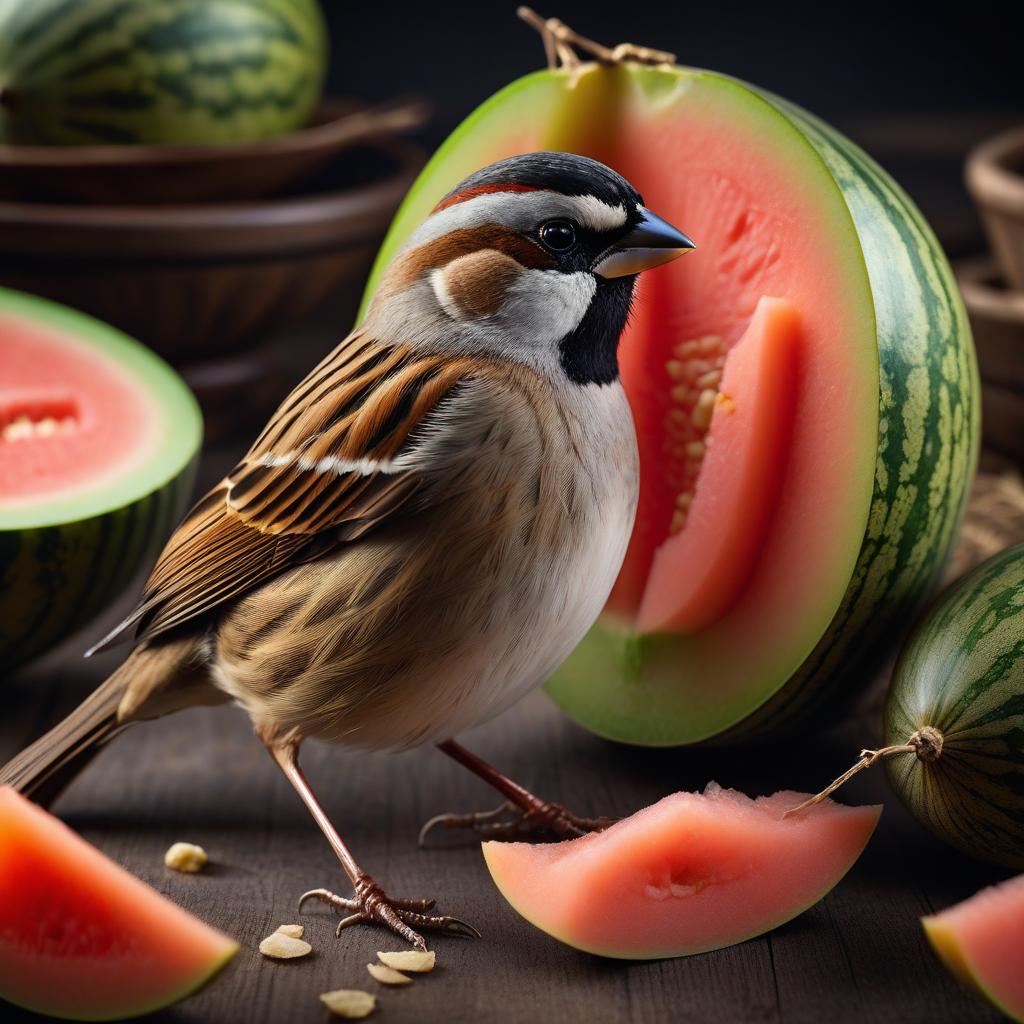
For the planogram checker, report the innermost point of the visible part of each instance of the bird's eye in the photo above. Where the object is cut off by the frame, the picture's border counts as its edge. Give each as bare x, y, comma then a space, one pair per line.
558, 235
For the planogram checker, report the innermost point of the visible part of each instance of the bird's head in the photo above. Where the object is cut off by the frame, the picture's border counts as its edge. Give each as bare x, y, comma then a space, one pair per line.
532, 259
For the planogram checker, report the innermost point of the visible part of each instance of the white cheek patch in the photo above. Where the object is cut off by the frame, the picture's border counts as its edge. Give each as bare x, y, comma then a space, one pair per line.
543, 306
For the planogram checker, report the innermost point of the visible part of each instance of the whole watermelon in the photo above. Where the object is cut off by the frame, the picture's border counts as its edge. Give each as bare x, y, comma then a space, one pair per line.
78, 72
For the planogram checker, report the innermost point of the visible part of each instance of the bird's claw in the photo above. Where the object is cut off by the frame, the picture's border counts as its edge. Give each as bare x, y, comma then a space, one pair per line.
370, 904
510, 822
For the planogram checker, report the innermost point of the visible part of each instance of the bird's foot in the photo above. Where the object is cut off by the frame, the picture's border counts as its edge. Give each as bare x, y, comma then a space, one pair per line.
511, 822
407, 918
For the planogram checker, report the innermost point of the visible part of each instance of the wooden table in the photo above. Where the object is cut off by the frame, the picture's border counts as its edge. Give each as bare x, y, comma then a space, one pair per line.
857, 957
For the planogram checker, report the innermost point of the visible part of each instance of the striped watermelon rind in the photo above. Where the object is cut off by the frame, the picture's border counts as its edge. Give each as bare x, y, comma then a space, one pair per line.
171, 72
929, 432
962, 672
63, 561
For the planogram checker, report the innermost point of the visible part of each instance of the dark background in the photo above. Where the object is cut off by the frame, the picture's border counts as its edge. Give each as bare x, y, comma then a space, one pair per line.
915, 84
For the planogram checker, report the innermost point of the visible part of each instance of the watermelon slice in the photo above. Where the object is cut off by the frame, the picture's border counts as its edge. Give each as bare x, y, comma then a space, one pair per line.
693, 872
981, 941
775, 549
98, 439
82, 939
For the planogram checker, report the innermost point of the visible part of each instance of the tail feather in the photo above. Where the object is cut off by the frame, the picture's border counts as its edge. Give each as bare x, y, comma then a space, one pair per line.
43, 769
155, 680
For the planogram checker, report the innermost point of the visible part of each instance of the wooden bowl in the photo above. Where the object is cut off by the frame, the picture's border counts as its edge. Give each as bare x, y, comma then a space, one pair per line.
206, 284
997, 322
995, 177
121, 175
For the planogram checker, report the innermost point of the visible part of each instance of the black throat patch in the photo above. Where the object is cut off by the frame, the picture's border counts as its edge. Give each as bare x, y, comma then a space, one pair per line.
590, 354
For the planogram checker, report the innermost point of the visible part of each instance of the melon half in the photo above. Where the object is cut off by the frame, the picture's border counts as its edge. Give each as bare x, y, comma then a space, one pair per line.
803, 388
981, 941
98, 440
82, 939
693, 872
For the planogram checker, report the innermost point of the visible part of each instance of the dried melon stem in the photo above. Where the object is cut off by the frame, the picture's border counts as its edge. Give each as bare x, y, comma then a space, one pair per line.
561, 43
926, 743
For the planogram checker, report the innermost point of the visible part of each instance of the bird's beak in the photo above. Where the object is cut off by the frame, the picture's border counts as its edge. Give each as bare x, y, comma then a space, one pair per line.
648, 244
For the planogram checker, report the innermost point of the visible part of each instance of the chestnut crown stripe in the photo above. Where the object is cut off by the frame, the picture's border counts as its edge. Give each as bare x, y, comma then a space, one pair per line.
461, 196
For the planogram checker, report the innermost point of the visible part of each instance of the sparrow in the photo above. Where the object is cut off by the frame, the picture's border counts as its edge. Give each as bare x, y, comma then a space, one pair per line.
430, 521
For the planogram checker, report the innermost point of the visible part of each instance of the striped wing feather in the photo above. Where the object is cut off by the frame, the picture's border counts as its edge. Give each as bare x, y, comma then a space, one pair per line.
322, 473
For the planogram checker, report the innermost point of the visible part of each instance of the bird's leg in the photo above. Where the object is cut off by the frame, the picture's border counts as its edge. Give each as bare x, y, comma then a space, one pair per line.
369, 902
523, 815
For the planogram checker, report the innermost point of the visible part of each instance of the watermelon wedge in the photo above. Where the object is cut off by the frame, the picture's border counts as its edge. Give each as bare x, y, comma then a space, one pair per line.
82, 939
98, 443
981, 941
693, 872
777, 550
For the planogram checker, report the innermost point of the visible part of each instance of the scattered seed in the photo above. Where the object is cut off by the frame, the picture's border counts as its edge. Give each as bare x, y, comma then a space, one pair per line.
415, 960
687, 348
677, 415
695, 449
388, 975
726, 403
675, 369
709, 379
684, 500
293, 931
350, 1003
710, 343
186, 857
680, 393
283, 947
678, 521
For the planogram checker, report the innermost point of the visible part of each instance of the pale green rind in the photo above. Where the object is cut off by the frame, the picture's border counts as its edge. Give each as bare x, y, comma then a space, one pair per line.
948, 950
161, 1002
962, 672
181, 428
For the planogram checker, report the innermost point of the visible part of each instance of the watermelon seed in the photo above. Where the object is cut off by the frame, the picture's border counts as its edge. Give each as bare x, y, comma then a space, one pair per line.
926, 743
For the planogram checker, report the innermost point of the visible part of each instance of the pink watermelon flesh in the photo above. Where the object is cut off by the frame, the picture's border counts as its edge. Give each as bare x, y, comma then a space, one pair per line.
80, 938
693, 872
70, 417
981, 940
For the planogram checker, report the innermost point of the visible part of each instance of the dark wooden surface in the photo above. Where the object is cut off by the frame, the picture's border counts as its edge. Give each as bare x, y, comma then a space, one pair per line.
857, 957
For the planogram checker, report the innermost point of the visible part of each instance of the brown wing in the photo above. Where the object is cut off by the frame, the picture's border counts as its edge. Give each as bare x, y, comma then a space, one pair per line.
322, 473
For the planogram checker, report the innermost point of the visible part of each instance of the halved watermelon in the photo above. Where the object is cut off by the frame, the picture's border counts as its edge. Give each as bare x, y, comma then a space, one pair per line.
693, 872
82, 939
776, 549
98, 439
981, 941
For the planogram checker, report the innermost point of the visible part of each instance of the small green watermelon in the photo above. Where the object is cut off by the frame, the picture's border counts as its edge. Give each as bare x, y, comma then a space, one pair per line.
175, 72
98, 441
961, 675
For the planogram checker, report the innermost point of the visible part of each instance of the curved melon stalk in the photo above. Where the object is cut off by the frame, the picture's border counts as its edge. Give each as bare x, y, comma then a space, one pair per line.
981, 941
82, 939
693, 872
